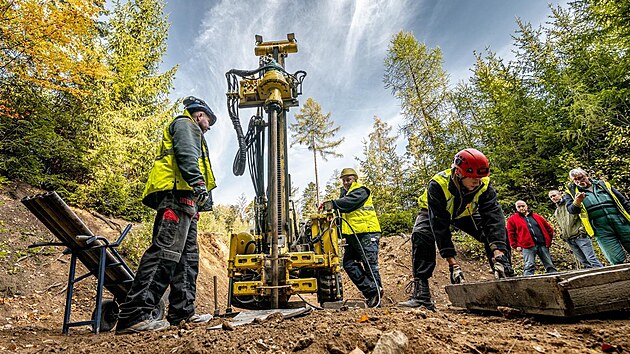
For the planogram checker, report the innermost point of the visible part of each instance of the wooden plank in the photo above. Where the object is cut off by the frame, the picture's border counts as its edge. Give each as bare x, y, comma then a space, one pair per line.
563, 294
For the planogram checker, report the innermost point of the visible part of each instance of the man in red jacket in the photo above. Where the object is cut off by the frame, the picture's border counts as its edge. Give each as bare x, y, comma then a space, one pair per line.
530, 234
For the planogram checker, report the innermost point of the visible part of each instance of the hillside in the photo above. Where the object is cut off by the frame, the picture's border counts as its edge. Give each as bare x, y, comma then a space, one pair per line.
32, 295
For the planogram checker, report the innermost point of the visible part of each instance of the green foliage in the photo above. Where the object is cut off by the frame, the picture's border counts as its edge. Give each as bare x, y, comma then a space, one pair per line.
82, 111
127, 113
316, 131
415, 75
333, 186
468, 247
394, 223
382, 170
561, 104
308, 202
137, 241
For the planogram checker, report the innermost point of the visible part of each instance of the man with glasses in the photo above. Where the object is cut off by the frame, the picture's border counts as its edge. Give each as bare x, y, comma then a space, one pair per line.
530, 234
605, 214
461, 196
179, 187
571, 230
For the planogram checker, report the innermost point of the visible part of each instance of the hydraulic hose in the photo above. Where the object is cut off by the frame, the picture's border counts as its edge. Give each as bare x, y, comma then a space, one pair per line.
378, 290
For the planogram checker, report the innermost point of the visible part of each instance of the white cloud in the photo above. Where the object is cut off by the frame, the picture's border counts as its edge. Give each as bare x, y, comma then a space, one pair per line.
342, 47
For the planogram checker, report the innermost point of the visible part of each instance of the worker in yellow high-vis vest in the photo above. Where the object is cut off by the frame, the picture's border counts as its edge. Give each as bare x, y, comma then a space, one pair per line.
178, 187
461, 196
605, 214
362, 232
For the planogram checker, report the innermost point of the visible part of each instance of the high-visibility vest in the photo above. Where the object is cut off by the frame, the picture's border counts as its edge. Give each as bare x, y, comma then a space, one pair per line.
363, 219
442, 178
584, 213
165, 174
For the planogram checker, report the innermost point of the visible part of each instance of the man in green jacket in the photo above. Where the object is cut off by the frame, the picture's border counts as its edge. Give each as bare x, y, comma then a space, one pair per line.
572, 232
362, 231
178, 188
605, 213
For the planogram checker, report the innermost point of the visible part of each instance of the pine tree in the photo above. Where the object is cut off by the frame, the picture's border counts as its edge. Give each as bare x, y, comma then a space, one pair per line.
414, 74
382, 168
129, 111
309, 201
316, 131
333, 186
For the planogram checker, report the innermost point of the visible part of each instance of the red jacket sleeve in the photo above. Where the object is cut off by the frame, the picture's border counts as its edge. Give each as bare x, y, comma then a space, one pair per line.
548, 227
511, 231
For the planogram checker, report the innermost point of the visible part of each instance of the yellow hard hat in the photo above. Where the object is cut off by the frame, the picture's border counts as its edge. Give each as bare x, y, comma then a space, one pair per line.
348, 172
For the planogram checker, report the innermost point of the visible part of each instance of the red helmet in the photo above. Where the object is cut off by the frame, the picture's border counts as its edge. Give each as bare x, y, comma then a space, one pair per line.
471, 163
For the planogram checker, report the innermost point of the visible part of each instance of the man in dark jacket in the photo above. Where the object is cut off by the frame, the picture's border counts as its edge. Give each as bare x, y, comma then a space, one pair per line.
461, 196
605, 213
362, 232
178, 188
530, 234
572, 232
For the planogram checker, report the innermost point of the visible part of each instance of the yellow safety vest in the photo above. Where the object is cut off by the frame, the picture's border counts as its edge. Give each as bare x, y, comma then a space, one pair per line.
165, 174
584, 214
442, 178
363, 219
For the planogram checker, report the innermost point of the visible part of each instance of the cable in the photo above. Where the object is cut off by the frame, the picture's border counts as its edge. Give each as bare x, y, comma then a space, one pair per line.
378, 290
308, 303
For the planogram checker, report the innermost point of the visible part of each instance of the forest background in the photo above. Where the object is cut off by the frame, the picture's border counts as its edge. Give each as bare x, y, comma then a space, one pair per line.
83, 103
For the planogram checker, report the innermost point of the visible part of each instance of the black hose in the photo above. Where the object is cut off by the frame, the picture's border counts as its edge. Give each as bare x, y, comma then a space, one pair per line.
378, 291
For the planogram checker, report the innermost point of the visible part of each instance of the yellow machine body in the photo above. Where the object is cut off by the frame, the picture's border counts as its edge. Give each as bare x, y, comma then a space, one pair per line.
278, 260
324, 255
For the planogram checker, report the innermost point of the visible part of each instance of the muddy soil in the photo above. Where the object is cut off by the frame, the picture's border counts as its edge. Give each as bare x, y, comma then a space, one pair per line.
32, 297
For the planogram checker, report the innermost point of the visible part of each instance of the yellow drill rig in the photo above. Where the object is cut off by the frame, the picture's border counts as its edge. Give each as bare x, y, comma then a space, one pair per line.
277, 259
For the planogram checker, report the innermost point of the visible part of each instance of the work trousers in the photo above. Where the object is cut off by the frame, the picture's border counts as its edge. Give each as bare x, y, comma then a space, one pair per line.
582, 248
529, 259
360, 261
172, 259
423, 243
612, 233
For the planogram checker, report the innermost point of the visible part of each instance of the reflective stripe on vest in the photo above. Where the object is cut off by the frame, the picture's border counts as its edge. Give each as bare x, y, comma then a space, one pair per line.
165, 174
363, 219
442, 178
584, 213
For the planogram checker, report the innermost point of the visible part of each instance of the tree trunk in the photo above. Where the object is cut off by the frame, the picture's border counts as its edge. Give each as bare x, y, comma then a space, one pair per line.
316, 177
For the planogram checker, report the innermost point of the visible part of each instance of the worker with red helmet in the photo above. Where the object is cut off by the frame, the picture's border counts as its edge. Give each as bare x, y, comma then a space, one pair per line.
461, 196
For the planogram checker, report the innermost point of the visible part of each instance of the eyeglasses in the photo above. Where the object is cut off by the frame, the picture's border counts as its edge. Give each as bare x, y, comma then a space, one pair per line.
579, 178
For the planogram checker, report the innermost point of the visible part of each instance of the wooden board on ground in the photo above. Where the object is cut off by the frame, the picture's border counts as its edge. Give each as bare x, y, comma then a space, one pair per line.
566, 294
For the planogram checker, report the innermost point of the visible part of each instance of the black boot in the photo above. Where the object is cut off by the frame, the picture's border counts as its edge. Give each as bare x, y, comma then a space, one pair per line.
502, 267
421, 295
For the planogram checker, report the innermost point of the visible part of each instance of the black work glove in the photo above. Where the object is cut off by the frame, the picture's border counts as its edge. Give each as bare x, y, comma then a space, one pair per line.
457, 275
502, 267
200, 194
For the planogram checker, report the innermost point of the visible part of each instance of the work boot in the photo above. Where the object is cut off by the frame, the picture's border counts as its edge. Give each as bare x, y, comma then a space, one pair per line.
150, 325
421, 295
502, 267
457, 275
376, 299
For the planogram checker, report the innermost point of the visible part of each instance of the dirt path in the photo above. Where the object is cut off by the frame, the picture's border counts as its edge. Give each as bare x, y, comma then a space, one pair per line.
32, 298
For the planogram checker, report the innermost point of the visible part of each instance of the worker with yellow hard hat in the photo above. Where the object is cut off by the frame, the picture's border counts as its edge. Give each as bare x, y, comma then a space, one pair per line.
362, 231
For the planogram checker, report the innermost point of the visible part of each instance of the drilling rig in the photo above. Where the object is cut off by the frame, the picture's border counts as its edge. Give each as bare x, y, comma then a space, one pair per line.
277, 259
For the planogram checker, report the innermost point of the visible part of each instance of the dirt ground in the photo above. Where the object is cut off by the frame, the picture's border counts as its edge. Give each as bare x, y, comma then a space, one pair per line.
32, 297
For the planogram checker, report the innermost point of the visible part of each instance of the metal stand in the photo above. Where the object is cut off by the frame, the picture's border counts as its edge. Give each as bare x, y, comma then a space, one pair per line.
98, 246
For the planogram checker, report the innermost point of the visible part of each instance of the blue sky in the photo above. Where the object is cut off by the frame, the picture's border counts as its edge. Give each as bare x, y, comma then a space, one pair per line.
342, 46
